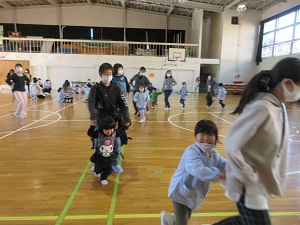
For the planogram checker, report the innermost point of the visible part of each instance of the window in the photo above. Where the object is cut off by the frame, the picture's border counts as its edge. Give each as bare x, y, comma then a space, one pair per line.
281, 34
92, 34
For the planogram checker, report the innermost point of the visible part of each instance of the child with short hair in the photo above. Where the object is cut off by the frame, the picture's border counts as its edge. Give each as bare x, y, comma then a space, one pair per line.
141, 98
60, 95
77, 89
153, 97
35, 90
105, 134
221, 95
87, 90
183, 92
200, 164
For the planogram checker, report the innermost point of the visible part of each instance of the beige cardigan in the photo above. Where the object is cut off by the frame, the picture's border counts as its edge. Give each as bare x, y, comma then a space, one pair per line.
254, 141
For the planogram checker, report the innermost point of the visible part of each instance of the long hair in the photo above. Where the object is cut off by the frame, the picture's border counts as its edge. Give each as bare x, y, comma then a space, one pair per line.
266, 81
166, 74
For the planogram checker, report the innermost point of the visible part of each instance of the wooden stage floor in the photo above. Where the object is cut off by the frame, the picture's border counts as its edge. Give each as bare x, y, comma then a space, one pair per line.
45, 175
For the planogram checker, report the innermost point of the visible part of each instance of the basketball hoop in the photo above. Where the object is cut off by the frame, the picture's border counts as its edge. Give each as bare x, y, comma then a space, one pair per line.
177, 59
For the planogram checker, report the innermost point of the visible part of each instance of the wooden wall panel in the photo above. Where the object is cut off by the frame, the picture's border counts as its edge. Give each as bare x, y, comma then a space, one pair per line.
6, 65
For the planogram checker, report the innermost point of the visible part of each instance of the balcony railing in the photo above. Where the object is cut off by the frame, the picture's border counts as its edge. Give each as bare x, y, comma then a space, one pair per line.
68, 46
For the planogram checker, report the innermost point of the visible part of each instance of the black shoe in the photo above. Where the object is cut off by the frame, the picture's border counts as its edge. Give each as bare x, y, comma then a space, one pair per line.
135, 112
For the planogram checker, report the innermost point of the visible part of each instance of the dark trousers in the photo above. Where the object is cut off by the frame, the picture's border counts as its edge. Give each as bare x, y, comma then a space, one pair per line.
103, 165
153, 104
167, 95
247, 216
182, 101
222, 104
209, 100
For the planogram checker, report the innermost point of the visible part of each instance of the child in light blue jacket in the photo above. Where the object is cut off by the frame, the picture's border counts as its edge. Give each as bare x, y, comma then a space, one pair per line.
141, 98
221, 95
200, 164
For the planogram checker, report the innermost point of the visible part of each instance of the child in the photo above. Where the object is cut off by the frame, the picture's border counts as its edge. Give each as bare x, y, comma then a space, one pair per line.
183, 92
87, 91
141, 98
35, 90
104, 147
200, 164
68, 92
77, 89
153, 96
221, 95
211, 85
60, 95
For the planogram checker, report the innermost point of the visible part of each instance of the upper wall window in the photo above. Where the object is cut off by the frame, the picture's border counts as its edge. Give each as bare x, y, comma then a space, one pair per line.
281, 34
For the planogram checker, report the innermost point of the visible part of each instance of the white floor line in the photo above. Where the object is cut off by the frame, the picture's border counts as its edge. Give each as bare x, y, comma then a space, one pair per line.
12, 132
7, 104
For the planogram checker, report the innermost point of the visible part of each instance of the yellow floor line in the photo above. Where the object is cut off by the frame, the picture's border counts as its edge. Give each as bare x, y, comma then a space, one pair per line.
130, 216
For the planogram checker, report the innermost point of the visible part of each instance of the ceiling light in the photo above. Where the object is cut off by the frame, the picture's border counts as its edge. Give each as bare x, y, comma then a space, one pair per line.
182, 1
241, 7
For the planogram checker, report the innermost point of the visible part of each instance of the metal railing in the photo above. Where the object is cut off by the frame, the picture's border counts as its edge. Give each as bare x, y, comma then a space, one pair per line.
68, 46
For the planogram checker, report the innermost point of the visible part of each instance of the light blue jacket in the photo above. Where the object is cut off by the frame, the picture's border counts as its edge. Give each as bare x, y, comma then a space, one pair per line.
183, 92
221, 93
190, 182
142, 97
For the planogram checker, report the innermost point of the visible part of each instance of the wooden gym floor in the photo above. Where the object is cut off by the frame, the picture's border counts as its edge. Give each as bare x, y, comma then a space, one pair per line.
45, 175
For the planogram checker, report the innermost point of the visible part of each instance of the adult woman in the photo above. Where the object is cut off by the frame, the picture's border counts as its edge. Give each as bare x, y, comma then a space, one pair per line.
17, 81
167, 88
256, 144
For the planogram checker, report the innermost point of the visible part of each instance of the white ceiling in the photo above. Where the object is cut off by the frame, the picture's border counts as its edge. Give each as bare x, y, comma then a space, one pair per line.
164, 7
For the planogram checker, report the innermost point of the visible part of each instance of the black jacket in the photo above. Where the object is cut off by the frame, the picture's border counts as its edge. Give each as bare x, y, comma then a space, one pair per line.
99, 102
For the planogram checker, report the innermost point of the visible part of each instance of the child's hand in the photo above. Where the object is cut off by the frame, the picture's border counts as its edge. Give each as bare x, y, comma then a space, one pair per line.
94, 122
223, 175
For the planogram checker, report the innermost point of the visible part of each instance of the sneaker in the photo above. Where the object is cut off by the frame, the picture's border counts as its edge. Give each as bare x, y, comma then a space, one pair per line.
147, 112
92, 168
22, 117
183, 108
153, 107
135, 113
97, 175
142, 120
16, 115
208, 107
104, 182
117, 168
165, 109
166, 218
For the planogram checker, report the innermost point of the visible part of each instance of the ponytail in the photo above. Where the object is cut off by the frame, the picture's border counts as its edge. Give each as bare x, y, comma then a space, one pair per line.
259, 83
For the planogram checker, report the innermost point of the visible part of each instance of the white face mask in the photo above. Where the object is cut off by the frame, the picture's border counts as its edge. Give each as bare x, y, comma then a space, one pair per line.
205, 147
291, 96
106, 79
120, 72
168, 74
19, 69
209, 78
141, 74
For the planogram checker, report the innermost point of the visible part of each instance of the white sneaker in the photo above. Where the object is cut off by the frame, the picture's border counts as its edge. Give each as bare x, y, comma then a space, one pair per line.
22, 117
16, 115
117, 168
104, 182
153, 107
92, 168
142, 121
164, 219
208, 107
166, 109
183, 108
97, 175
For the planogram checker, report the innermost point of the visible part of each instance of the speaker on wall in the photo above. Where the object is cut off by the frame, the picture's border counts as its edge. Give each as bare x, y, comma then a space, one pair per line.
234, 20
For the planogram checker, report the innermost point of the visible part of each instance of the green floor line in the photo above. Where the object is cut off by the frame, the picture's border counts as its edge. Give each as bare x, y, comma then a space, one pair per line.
114, 197
64, 212
130, 216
